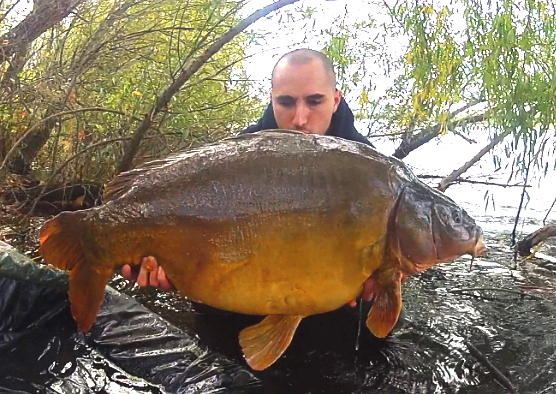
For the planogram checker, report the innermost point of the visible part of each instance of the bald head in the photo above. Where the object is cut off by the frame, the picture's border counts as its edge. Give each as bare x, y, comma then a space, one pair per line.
304, 94
303, 57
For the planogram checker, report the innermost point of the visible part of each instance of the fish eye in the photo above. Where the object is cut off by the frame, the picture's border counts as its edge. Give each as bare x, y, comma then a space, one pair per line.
456, 216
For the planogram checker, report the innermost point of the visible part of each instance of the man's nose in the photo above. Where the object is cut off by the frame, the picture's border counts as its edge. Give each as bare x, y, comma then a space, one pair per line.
301, 116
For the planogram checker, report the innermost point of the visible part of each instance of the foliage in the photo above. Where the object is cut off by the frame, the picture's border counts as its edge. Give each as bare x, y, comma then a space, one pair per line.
116, 57
454, 60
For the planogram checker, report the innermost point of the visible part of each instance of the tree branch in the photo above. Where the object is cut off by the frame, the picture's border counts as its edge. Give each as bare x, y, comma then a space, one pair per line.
444, 183
426, 135
497, 374
48, 118
167, 95
464, 180
69, 160
524, 246
44, 17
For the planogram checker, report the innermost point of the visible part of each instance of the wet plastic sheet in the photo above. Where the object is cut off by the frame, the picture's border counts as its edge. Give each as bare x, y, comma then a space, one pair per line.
129, 349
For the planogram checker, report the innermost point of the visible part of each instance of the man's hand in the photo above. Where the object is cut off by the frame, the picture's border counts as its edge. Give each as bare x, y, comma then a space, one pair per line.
367, 293
150, 274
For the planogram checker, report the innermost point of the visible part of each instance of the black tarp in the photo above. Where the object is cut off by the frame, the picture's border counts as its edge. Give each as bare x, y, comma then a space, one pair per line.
128, 350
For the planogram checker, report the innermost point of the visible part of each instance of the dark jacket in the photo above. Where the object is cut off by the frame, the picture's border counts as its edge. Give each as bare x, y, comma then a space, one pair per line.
341, 124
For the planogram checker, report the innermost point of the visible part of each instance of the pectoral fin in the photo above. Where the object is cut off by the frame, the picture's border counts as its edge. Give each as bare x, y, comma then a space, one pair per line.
264, 343
387, 304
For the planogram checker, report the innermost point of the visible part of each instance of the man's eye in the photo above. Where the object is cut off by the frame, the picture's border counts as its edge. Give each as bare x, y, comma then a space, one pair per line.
286, 103
314, 102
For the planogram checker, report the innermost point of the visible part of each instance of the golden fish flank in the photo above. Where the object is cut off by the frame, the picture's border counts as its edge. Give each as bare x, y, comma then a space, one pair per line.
280, 224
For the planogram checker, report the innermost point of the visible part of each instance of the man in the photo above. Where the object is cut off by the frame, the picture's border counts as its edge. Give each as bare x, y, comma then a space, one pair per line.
303, 98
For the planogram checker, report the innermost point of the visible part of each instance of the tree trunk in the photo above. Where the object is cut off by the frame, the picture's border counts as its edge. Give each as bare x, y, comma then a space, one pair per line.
524, 246
161, 102
20, 163
46, 15
13, 48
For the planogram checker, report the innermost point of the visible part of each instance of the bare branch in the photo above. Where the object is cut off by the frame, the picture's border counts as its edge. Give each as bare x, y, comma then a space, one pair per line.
69, 160
444, 183
48, 118
499, 376
36, 23
9, 10
465, 180
426, 135
524, 246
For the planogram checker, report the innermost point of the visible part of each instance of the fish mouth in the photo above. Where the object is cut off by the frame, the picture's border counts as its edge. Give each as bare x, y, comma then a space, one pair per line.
479, 247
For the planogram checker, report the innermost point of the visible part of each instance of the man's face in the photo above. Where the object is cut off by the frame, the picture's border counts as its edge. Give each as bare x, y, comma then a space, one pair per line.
303, 97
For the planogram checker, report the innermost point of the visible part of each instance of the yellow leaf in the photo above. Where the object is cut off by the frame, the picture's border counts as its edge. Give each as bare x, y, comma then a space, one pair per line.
137, 93
364, 98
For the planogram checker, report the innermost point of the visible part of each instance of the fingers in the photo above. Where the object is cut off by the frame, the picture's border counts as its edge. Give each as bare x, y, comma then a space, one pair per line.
150, 274
143, 277
147, 271
162, 280
369, 289
126, 272
151, 265
352, 303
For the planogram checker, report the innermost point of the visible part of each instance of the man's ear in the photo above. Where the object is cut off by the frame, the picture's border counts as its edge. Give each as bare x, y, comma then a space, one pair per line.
337, 98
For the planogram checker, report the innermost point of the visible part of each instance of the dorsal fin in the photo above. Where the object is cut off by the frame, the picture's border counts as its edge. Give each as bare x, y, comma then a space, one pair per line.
122, 183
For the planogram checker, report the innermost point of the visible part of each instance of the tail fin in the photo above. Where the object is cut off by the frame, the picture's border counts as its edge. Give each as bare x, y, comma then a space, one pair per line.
61, 240
62, 246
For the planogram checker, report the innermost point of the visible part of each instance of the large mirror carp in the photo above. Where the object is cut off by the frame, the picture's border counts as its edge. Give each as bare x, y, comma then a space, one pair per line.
275, 223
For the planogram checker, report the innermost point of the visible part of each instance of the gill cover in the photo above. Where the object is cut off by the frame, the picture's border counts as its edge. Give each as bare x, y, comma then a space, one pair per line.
410, 234
454, 231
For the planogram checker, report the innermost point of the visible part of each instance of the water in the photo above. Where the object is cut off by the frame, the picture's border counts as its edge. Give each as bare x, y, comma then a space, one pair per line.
493, 207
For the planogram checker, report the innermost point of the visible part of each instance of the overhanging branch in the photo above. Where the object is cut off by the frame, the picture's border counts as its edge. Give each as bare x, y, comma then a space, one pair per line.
426, 135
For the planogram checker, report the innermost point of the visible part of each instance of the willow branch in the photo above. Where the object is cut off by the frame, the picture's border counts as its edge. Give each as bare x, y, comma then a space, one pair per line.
464, 180
444, 183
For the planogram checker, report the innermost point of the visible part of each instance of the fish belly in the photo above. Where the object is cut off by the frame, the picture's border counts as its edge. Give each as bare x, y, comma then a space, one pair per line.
279, 264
